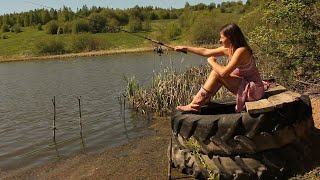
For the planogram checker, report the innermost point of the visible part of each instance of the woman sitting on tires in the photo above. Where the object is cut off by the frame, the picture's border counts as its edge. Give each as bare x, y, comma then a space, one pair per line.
240, 75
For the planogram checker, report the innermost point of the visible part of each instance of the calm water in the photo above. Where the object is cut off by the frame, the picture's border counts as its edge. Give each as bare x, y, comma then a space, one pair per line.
26, 109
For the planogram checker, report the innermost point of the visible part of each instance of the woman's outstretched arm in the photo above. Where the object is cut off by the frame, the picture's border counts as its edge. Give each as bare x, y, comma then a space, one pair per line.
220, 51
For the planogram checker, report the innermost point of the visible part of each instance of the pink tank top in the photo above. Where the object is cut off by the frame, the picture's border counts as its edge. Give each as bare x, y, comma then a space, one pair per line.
251, 87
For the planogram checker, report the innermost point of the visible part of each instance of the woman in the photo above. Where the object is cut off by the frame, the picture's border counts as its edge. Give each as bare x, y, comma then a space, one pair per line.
240, 75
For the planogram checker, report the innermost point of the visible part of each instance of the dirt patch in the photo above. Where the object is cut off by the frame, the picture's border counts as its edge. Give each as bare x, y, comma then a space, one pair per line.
315, 109
142, 158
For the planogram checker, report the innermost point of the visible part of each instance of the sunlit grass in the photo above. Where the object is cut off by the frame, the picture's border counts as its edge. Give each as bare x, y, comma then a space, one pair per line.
21, 43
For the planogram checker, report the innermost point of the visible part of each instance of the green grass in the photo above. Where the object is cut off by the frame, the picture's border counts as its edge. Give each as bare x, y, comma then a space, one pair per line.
157, 25
124, 40
23, 44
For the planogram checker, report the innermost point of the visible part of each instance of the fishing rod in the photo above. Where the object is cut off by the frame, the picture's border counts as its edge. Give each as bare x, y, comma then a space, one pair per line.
158, 50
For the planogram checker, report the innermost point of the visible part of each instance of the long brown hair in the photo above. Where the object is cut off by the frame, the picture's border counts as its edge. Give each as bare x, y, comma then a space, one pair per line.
236, 37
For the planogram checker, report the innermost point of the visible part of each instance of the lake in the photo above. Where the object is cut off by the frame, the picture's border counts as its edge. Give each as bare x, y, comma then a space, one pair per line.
27, 89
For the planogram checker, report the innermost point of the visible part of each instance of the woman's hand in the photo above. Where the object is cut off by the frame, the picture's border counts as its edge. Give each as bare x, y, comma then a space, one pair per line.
212, 60
180, 48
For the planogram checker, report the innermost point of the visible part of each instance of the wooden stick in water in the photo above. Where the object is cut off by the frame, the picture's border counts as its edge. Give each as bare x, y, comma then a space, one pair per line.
80, 121
54, 118
170, 159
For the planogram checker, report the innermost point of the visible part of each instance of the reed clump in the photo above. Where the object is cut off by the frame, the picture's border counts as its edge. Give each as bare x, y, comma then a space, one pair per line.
168, 89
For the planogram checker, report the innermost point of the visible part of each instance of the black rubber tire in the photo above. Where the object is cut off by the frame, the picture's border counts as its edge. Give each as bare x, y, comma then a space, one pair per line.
272, 164
242, 133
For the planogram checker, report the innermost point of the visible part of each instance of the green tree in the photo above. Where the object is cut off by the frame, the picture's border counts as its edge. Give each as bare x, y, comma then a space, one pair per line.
252, 19
211, 6
200, 7
123, 17
39, 27
172, 31
135, 12
45, 17
146, 25
16, 28
53, 14
113, 25
173, 15
80, 25
153, 16
52, 27
33, 19
67, 27
8, 20
50, 46
186, 19
5, 28
186, 5
26, 20
204, 30
135, 24
65, 14
163, 14
109, 13
19, 19
84, 11
86, 42
290, 37
97, 22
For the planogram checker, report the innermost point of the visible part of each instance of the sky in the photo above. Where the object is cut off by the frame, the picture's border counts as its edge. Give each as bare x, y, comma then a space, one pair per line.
11, 6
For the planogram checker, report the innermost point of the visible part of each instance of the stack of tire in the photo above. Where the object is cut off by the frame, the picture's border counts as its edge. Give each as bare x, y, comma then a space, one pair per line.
234, 145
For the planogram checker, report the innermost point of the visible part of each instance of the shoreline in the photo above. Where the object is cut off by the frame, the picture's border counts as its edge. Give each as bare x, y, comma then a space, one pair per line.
141, 158
81, 54
87, 54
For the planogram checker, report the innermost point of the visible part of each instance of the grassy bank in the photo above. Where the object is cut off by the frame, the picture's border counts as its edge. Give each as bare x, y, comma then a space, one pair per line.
31, 43
22, 46
72, 55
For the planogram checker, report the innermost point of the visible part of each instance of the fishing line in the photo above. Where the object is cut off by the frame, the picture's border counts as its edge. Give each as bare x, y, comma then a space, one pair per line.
112, 27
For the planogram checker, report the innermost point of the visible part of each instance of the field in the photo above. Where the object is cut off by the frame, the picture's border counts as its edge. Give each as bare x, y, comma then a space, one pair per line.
23, 44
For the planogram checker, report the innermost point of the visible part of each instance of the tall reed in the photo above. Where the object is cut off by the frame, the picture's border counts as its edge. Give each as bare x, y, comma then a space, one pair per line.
168, 89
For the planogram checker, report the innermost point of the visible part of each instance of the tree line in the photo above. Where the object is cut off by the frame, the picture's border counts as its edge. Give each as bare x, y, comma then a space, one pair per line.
99, 19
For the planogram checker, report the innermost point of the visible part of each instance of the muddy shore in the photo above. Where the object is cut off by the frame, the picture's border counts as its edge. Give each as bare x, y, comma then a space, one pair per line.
141, 158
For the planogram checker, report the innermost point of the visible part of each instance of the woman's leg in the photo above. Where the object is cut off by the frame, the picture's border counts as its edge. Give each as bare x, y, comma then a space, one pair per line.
215, 81
210, 88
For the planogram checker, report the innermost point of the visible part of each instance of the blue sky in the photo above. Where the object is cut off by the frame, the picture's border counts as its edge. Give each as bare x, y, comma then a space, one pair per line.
10, 6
